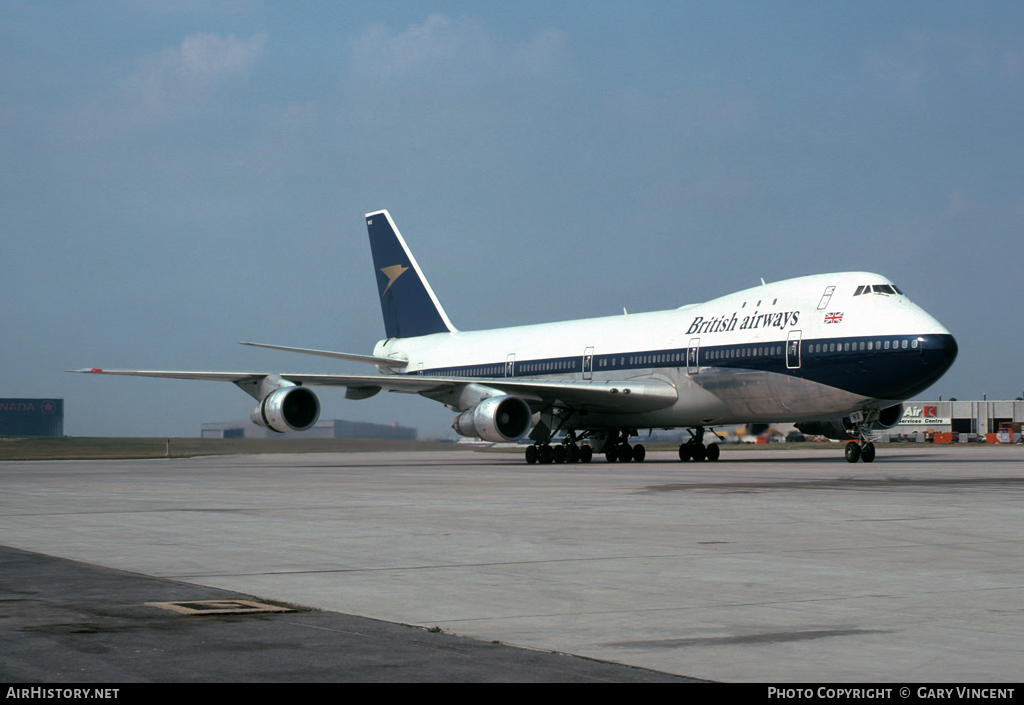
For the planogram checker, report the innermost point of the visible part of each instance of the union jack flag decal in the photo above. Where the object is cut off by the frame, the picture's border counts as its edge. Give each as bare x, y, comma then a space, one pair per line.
833, 318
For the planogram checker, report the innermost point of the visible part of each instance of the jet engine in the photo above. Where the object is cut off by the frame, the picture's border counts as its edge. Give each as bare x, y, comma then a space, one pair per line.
287, 409
889, 417
841, 429
497, 419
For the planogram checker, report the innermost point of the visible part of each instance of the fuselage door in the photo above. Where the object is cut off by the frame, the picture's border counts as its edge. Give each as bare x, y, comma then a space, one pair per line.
510, 365
793, 350
692, 356
825, 298
588, 363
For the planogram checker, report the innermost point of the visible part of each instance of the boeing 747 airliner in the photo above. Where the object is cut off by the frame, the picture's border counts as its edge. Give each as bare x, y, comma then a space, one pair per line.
835, 353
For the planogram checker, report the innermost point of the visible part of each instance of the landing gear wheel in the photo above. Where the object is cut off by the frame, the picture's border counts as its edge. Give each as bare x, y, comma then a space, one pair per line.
699, 452
560, 454
852, 452
611, 455
586, 454
713, 452
574, 453
547, 454
639, 453
684, 452
531, 455
867, 453
625, 453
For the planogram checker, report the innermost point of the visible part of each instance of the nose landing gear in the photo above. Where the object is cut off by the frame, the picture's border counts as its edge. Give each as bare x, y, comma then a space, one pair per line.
861, 449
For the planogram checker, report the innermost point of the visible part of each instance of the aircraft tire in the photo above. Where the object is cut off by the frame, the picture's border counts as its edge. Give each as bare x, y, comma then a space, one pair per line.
867, 453
610, 455
547, 454
625, 453
560, 454
699, 452
573, 453
684, 453
713, 452
852, 452
639, 453
531, 455
586, 454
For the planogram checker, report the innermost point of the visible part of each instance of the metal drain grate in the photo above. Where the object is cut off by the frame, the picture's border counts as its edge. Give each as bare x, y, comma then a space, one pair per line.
219, 607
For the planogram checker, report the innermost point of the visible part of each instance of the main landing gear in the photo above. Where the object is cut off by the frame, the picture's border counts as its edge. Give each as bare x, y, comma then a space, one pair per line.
568, 451
617, 449
694, 449
572, 450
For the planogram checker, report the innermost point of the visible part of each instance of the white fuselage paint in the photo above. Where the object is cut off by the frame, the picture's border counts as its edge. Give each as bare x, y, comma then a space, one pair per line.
764, 317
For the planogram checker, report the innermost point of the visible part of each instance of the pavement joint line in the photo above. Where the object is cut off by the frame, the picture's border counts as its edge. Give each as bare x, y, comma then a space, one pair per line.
420, 567
779, 604
693, 554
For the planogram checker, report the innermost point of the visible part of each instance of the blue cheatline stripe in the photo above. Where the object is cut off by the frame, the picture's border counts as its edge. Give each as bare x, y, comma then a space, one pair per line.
881, 372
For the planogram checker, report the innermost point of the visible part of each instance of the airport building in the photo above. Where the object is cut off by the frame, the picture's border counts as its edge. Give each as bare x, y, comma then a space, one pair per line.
968, 420
324, 428
31, 417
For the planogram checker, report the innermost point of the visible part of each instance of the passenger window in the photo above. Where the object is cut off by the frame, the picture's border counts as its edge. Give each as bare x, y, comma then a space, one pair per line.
904, 346
913, 344
887, 345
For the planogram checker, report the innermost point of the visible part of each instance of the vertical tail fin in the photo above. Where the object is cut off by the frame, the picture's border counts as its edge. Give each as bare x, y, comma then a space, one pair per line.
408, 303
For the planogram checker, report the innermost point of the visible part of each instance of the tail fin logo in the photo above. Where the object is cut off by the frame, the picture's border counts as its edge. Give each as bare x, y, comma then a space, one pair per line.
392, 273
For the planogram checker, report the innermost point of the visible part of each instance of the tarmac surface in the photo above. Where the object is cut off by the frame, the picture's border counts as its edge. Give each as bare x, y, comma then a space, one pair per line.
771, 566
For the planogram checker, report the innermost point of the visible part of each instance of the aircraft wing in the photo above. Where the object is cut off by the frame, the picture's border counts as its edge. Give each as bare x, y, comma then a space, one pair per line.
627, 396
599, 396
371, 359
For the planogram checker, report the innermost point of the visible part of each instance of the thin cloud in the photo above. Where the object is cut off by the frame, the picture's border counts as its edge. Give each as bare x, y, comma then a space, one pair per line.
923, 57
189, 73
453, 50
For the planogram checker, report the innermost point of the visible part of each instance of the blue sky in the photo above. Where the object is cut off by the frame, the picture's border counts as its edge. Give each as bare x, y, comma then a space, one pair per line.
178, 176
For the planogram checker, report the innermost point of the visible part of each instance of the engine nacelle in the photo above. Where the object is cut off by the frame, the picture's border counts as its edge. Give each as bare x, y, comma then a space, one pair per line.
287, 410
838, 429
889, 417
497, 419
842, 429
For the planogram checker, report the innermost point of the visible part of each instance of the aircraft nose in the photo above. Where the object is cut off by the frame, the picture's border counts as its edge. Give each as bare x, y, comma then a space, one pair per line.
949, 350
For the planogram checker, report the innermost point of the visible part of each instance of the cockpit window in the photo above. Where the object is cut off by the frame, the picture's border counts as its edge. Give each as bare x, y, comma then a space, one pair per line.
883, 289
